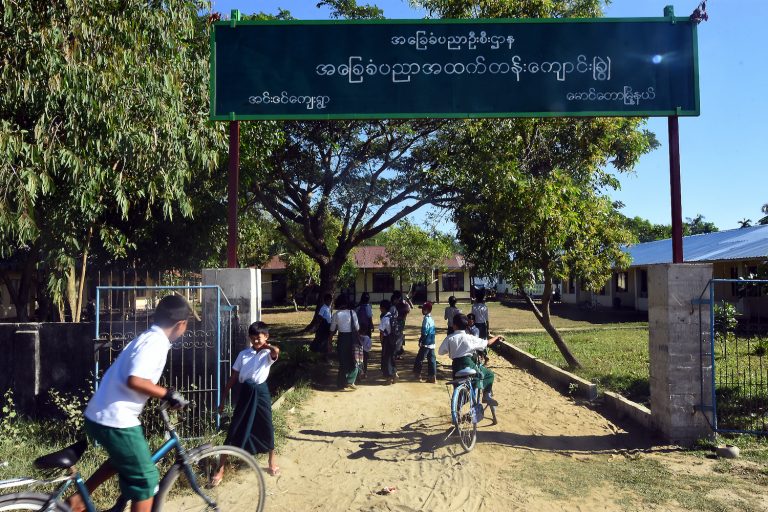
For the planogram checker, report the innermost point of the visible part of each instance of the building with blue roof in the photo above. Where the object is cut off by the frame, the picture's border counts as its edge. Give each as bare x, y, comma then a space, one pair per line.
734, 254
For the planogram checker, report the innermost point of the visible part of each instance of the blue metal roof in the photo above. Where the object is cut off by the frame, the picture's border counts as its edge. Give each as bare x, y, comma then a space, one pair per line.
734, 244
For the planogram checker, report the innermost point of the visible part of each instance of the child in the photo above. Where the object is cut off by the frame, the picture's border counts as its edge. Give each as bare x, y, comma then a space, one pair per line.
388, 342
345, 322
460, 347
426, 345
480, 310
365, 319
450, 311
251, 428
471, 327
112, 414
322, 342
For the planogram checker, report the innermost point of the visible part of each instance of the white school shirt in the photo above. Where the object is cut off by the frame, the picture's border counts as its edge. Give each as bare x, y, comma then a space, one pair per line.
366, 342
345, 320
253, 365
460, 344
385, 325
480, 310
450, 312
115, 404
325, 312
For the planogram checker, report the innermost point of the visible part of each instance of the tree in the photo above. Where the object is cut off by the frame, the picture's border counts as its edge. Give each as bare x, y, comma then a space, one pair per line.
745, 223
764, 220
365, 176
101, 115
697, 226
645, 231
414, 252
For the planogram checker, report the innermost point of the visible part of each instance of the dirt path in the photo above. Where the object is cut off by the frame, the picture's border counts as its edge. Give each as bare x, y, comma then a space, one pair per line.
546, 453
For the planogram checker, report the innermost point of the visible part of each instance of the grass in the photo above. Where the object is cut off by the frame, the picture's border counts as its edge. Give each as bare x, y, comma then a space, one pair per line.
643, 477
615, 359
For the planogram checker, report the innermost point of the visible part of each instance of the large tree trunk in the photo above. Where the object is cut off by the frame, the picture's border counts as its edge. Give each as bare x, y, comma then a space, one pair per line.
544, 318
329, 278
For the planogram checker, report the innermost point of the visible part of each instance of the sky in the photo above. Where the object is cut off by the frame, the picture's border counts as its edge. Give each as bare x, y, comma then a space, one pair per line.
723, 152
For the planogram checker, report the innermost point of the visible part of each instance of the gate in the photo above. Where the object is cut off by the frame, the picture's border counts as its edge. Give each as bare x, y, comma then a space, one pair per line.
738, 335
198, 363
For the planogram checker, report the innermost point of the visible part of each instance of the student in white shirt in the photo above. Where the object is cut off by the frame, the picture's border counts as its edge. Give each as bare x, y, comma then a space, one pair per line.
251, 428
388, 341
112, 414
344, 321
480, 310
365, 319
461, 347
450, 311
471, 327
322, 342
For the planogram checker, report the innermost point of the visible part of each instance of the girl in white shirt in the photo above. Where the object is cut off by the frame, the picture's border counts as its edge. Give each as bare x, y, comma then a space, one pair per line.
344, 321
251, 428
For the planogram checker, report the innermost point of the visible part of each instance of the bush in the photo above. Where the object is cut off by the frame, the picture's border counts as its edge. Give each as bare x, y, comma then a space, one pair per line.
725, 318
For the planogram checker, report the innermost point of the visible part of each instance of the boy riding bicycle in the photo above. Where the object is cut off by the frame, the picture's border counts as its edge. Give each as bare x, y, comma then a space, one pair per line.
112, 415
461, 347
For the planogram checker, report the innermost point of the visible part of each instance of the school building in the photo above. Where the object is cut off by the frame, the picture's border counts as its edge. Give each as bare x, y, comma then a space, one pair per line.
377, 277
734, 254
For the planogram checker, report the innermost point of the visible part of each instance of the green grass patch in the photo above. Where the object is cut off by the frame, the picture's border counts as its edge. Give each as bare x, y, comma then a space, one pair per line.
632, 478
615, 359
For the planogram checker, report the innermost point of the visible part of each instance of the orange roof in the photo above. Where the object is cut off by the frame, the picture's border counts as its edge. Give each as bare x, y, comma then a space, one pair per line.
274, 263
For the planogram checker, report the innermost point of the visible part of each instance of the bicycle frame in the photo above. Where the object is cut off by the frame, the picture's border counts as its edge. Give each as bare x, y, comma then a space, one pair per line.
76, 479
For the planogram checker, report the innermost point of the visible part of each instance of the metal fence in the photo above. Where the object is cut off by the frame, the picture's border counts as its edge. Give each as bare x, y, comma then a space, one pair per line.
739, 352
198, 363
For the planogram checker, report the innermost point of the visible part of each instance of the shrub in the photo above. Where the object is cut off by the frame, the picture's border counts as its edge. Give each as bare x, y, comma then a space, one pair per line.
725, 318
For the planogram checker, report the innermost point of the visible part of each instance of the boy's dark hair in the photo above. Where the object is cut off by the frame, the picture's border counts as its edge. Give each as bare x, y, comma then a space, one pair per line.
397, 294
480, 296
257, 328
342, 302
452, 300
385, 304
327, 298
171, 310
471, 316
364, 298
460, 322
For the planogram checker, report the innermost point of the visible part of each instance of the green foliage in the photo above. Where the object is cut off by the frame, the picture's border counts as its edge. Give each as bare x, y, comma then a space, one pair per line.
350, 10
698, 226
725, 318
414, 251
10, 428
510, 8
102, 120
71, 407
645, 231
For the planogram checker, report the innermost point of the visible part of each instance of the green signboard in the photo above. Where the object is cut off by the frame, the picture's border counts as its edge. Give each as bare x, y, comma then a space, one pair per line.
453, 68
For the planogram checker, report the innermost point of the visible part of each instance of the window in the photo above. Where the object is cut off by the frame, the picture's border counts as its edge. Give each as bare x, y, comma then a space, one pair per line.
383, 282
734, 286
453, 281
752, 289
644, 283
602, 291
571, 285
621, 280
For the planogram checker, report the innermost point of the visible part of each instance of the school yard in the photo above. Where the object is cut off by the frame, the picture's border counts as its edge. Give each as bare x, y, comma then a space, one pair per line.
548, 451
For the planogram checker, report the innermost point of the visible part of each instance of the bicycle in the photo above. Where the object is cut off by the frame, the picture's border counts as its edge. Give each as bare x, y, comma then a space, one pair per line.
242, 488
467, 409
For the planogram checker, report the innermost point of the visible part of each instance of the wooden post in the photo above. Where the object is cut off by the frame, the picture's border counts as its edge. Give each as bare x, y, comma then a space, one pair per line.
232, 192
675, 189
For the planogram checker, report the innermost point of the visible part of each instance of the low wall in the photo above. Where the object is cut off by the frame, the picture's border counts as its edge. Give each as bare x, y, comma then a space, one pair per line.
35, 357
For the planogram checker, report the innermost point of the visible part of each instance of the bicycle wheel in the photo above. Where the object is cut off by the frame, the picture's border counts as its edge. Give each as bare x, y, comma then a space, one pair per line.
461, 408
242, 488
30, 501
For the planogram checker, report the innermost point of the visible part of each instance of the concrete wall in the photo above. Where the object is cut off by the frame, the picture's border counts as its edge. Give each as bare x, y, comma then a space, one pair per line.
680, 369
36, 357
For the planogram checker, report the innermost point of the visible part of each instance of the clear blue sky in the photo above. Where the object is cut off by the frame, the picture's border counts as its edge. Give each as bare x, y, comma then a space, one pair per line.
724, 152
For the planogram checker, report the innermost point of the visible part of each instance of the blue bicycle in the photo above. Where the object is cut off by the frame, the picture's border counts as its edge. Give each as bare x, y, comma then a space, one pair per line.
467, 409
191, 483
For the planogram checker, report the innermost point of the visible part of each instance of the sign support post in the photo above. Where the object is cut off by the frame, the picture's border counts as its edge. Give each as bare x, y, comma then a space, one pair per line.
675, 189
232, 192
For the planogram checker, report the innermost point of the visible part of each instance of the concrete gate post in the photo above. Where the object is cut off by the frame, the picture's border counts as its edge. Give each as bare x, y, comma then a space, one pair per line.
26, 368
242, 286
680, 364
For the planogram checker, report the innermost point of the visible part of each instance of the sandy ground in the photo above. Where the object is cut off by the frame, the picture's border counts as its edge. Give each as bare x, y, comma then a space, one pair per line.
346, 446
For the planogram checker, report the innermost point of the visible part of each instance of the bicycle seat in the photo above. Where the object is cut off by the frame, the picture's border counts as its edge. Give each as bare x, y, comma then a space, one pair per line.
62, 459
465, 372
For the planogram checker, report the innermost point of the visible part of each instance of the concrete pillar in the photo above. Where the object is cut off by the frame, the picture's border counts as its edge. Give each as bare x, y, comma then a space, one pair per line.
680, 365
242, 287
26, 369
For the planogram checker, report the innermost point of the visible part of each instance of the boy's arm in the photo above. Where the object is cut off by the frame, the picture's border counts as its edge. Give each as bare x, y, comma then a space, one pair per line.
146, 387
231, 382
274, 352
